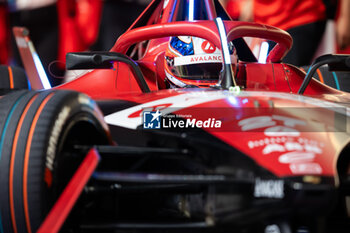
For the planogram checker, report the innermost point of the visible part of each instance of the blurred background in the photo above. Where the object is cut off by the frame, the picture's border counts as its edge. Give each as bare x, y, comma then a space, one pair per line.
317, 26
60, 26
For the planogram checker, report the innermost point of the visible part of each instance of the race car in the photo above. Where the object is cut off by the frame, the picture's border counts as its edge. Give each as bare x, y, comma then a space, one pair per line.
178, 127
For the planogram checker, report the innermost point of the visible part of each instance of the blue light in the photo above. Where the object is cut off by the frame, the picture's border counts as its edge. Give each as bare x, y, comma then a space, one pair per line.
191, 11
41, 72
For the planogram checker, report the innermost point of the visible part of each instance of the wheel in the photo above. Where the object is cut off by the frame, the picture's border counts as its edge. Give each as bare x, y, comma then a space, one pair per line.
39, 132
12, 78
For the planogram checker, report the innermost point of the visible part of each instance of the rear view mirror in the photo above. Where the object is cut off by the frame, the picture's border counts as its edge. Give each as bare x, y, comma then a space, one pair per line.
334, 62
340, 63
104, 60
91, 60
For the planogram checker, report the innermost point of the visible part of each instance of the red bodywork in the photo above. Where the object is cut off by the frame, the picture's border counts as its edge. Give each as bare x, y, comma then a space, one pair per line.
287, 134
263, 83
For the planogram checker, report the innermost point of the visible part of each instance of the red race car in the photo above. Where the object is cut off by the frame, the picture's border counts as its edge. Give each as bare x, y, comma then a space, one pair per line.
179, 127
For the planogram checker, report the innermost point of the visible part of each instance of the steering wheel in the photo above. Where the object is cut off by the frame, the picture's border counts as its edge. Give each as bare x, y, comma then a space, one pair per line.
208, 30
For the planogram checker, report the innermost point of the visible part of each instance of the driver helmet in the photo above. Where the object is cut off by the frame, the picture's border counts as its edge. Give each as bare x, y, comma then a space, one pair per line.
193, 62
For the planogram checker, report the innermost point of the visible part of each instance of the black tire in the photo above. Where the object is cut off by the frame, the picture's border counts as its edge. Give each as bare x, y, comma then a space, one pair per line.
12, 78
38, 132
337, 80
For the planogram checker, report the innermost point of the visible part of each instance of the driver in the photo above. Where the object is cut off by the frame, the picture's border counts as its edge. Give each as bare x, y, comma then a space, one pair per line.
193, 62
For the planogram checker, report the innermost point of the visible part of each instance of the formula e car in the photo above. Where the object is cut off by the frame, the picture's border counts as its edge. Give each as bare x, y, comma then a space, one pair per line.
178, 127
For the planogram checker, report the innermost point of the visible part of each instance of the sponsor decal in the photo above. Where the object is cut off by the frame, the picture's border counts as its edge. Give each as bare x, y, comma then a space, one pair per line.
296, 157
53, 140
307, 144
273, 148
269, 188
305, 168
208, 47
281, 131
274, 130
196, 59
256, 123
298, 152
55, 133
283, 146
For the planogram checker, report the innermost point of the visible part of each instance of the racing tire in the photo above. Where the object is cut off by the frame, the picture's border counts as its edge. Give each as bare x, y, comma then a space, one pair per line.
12, 78
39, 131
